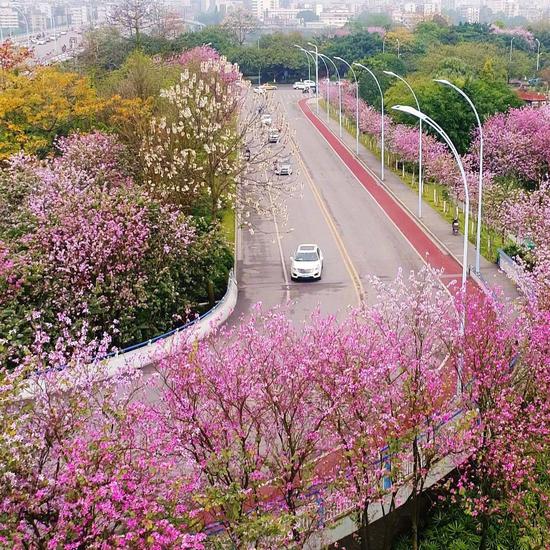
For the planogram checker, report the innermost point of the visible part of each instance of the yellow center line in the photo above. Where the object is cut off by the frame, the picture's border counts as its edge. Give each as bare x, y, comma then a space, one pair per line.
355, 279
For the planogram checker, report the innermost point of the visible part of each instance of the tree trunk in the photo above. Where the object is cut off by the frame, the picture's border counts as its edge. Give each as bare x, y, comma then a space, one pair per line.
211, 297
364, 530
414, 495
484, 532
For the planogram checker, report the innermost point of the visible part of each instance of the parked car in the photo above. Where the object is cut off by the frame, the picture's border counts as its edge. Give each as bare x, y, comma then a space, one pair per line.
266, 119
273, 136
299, 85
283, 167
268, 86
307, 262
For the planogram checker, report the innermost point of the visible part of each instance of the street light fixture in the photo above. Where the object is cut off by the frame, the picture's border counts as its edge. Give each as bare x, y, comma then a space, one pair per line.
412, 111
382, 102
308, 61
356, 103
339, 91
320, 55
26, 24
422, 116
538, 53
480, 185
420, 182
316, 73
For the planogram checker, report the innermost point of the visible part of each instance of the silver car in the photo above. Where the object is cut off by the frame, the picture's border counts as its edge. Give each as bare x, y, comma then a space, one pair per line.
283, 167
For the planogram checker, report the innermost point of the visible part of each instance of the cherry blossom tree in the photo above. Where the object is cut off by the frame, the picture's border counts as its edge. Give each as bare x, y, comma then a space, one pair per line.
79, 466
516, 145
84, 241
505, 423
418, 321
11, 56
353, 386
525, 215
196, 152
241, 414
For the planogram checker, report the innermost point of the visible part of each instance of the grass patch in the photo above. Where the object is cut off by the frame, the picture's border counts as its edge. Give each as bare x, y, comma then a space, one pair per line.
228, 225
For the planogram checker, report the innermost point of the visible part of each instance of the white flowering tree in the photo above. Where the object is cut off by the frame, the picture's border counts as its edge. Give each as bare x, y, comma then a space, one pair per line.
210, 148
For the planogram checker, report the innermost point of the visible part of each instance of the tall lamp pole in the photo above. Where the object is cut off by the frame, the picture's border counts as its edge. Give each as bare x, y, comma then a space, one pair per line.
480, 185
398, 48
316, 73
420, 182
511, 44
307, 57
538, 53
328, 82
415, 112
26, 24
323, 56
447, 139
382, 102
356, 103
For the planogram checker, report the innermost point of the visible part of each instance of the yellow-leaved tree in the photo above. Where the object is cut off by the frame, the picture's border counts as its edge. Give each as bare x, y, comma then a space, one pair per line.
38, 105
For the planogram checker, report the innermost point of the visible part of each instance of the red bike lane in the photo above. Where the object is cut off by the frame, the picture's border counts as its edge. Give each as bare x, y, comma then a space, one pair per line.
425, 246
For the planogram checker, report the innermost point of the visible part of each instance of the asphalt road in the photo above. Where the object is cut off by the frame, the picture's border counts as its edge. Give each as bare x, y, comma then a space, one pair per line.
45, 52
331, 209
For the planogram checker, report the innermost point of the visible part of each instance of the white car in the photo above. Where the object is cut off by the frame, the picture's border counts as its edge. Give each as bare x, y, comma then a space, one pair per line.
299, 85
273, 136
266, 119
283, 167
307, 262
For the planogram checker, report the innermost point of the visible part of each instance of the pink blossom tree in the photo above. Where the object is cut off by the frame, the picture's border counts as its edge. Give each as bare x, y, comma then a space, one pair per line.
526, 216
506, 422
79, 467
418, 321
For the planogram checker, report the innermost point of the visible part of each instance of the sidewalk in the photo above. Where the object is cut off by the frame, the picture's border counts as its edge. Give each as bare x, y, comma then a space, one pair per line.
432, 222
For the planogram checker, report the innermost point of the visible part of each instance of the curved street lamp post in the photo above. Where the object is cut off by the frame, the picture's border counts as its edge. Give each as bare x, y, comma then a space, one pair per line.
420, 182
26, 24
320, 56
356, 103
308, 61
425, 118
480, 185
412, 111
339, 91
316, 73
382, 100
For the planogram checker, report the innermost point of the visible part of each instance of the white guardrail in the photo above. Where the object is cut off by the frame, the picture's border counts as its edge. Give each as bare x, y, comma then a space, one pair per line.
142, 356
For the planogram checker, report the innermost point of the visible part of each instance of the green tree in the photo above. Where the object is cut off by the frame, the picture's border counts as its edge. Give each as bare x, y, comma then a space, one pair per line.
378, 63
139, 77
217, 36
448, 108
354, 46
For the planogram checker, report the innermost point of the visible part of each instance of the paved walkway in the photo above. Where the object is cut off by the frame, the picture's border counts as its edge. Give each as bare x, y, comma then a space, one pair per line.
432, 222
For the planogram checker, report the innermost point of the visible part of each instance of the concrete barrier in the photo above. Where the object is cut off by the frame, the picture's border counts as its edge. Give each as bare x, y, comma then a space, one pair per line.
145, 354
